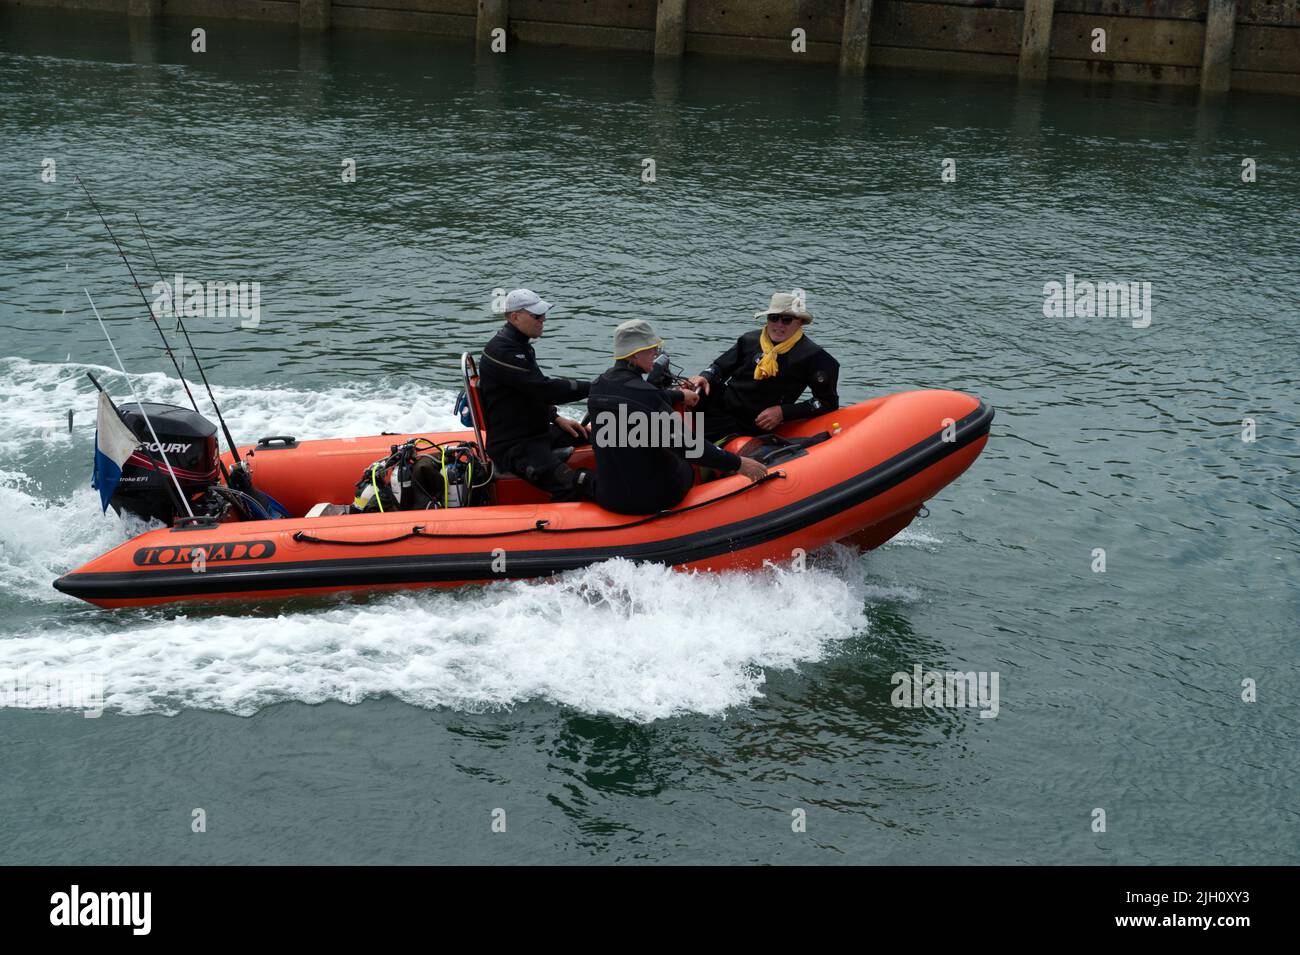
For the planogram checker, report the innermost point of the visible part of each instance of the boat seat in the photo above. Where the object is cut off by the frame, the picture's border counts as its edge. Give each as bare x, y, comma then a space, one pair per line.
479, 420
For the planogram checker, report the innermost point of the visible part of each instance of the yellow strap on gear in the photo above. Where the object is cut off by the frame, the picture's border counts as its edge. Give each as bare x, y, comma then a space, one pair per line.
375, 484
446, 494
767, 367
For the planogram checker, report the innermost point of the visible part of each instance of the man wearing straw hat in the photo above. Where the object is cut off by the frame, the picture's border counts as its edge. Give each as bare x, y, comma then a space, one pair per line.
755, 385
643, 450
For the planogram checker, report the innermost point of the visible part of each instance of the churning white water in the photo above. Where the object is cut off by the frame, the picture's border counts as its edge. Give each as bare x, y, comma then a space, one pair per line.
636, 641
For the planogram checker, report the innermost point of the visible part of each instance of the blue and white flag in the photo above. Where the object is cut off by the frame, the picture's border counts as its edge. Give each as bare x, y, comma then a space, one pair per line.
114, 443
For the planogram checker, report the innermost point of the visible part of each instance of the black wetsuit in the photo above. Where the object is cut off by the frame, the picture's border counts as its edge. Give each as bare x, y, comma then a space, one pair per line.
641, 480
736, 398
519, 404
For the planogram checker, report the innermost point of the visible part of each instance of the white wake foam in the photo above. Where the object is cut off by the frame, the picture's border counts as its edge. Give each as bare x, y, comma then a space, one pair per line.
41, 539
635, 641
911, 537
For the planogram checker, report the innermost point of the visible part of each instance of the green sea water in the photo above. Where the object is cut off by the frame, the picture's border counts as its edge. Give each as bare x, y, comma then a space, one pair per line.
627, 713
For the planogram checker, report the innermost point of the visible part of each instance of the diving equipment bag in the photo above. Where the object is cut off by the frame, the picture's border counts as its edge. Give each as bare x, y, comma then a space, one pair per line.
420, 475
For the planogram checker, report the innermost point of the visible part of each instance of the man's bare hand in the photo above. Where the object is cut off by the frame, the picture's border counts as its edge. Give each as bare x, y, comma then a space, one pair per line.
699, 383
752, 469
690, 398
769, 419
574, 428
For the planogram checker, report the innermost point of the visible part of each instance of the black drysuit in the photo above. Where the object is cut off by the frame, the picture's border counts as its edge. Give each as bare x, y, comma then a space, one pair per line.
519, 404
641, 480
736, 398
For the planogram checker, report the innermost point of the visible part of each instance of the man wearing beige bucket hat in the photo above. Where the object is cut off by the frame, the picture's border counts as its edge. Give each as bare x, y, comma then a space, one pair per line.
755, 385
635, 475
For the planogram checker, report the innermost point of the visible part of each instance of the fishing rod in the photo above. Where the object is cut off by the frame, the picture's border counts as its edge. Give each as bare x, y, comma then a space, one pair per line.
180, 324
140, 404
140, 288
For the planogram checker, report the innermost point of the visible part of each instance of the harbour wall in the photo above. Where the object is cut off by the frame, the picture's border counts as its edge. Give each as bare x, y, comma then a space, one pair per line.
1213, 44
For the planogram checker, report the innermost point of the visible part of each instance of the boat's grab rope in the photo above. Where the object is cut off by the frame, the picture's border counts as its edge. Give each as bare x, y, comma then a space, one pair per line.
541, 526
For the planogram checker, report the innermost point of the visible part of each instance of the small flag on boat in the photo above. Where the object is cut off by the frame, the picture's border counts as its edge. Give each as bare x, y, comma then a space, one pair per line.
114, 443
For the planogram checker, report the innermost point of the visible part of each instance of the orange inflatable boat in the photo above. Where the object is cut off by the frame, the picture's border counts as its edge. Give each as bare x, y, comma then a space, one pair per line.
875, 466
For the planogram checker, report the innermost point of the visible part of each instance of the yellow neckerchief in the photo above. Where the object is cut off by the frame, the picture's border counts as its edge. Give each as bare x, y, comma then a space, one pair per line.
767, 368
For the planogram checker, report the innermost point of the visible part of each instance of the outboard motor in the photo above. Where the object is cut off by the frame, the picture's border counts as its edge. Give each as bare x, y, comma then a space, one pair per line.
190, 441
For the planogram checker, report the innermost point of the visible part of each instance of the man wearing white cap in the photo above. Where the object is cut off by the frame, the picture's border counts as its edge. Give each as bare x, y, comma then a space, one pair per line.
633, 476
754, 386
524, 428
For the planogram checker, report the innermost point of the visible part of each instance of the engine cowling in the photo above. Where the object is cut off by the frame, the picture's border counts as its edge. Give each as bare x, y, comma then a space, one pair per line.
190, 443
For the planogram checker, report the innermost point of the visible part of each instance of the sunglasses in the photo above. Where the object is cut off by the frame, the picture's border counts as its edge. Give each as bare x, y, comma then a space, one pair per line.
783, 319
